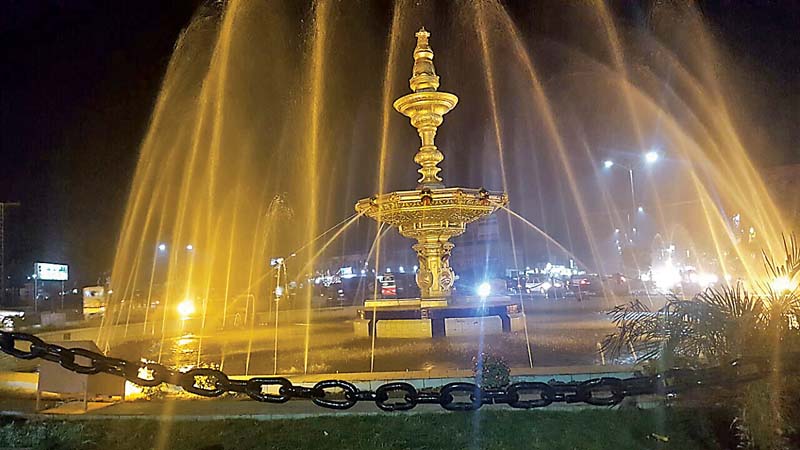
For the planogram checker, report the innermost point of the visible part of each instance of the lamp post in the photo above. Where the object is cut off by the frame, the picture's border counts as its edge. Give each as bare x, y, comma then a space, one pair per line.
649, 158
160, 248
608, 164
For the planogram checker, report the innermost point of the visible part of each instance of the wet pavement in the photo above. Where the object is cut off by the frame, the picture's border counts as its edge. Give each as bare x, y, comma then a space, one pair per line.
561, 332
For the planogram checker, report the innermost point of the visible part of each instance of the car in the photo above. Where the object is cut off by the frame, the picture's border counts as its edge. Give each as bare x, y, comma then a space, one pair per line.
555, 288
538, 284
10, 318
617, 284
587, 284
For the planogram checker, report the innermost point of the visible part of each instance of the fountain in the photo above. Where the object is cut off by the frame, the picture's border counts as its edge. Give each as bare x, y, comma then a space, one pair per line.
432, 214
252, 105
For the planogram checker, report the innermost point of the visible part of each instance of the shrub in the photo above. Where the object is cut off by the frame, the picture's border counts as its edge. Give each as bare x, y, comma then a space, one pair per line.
723, 324
491, 372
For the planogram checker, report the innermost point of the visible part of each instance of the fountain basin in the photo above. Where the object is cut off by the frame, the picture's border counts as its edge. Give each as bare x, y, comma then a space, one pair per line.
447, 209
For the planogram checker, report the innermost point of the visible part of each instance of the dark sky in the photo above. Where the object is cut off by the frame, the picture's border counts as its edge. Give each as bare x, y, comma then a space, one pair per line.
78, 80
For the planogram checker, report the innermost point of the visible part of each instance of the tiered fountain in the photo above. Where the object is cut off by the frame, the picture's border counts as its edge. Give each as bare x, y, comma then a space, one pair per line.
432, 214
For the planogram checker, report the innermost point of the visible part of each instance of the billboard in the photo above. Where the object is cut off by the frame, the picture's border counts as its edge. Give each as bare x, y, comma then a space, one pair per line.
52, 272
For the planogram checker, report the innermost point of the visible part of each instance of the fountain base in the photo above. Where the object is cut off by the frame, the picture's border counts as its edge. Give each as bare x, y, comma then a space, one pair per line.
420, 318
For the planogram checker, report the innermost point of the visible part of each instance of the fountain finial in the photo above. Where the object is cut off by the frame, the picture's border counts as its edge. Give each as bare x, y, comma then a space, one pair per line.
426, 108
424, 78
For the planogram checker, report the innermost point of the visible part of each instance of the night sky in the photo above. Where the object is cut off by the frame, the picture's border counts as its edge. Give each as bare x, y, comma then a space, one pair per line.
78, 80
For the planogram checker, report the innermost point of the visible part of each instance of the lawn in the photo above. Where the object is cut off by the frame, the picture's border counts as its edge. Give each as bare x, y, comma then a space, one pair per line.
551, 430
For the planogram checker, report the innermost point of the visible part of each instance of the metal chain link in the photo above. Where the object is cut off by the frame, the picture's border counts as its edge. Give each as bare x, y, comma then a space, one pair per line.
396, 396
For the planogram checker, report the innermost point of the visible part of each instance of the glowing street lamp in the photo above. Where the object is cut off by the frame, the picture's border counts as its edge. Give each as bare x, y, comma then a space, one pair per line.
162, 247
650, 157
189, 247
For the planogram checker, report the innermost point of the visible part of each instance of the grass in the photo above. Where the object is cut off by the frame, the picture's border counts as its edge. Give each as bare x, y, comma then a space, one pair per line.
552, 430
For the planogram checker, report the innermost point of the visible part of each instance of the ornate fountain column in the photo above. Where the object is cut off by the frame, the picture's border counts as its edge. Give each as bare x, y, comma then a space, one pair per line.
426, 108
435, 276
433, 213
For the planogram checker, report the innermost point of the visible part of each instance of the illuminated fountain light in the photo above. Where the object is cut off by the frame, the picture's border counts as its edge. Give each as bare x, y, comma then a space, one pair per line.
484, 290
783, 284
665, 276
186, 308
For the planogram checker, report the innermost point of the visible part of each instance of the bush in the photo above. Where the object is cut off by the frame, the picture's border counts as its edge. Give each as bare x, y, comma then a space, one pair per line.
491, 372
723, 324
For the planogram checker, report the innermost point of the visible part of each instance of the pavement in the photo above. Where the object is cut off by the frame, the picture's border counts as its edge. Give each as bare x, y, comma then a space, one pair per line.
180, 409
561, 332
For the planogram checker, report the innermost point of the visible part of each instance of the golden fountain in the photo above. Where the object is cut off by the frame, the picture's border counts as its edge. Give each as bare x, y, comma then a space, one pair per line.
431, 213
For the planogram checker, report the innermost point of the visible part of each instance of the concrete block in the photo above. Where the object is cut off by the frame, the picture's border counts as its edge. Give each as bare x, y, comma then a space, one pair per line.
404, 328
473, 326
361, 328
53, 319
517, 322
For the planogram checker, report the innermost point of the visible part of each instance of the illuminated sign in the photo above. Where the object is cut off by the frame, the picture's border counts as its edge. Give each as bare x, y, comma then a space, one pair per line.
52, 272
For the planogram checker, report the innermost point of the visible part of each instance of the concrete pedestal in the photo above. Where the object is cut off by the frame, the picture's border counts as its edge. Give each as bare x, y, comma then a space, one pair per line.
473, 326
408, 318
361, 328
404, 328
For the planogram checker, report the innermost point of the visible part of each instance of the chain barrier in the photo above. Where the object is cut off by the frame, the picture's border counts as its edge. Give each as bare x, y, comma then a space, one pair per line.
396, 396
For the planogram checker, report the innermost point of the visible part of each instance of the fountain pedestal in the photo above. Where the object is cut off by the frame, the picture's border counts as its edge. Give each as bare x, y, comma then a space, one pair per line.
412, 318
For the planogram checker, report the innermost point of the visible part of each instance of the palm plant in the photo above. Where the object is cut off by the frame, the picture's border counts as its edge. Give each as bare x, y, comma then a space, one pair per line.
720, 325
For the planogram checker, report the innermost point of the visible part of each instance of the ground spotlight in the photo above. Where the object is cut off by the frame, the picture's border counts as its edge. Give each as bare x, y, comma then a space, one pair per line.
186, 308
484, 289
782, 284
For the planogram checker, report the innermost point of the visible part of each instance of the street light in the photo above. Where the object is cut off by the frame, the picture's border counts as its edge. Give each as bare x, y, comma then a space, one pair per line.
190, 247
609, 164
162, 247
649, 158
